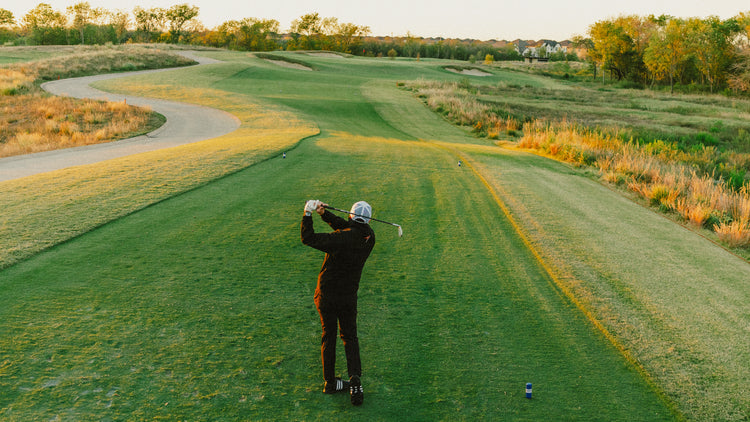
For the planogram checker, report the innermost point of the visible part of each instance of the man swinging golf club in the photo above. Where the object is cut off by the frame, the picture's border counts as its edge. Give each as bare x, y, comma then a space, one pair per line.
347, 249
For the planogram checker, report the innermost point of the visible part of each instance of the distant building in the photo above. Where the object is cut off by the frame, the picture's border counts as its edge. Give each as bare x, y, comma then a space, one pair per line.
542, 50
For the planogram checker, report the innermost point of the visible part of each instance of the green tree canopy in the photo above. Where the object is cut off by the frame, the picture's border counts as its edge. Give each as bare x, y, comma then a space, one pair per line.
149, 22
47, 26
82, 15
6, 17
177, 16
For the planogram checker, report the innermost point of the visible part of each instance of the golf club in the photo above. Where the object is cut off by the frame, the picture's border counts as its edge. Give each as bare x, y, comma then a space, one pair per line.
400, 230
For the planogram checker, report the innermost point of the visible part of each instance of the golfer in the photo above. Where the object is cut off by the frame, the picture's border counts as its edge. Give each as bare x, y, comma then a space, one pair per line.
347, 249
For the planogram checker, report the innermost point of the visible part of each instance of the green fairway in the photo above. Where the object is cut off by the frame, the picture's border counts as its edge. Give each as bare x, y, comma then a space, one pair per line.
199, 307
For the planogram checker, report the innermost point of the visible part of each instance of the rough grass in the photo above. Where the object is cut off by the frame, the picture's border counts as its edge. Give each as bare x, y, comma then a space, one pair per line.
37, 122
660, 171
85, 197
666, 181
17, 54
32, 121
671, 299
97, 60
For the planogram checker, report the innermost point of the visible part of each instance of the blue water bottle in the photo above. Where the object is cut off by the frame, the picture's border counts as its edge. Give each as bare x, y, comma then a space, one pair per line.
528, 390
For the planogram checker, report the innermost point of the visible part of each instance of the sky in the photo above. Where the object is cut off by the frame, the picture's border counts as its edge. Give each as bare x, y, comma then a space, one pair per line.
476, 19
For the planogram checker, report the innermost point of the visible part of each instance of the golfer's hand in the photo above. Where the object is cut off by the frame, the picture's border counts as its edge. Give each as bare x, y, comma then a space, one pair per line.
321, 208
312, 206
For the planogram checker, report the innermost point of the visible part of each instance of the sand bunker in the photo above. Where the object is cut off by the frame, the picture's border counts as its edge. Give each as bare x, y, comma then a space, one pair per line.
328, 55
284, 63
470, 72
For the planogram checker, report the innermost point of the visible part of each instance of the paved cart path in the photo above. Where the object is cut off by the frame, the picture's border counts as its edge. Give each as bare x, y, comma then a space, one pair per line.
186, 123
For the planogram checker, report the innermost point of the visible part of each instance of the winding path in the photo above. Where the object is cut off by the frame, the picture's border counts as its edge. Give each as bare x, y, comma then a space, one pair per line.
186, 123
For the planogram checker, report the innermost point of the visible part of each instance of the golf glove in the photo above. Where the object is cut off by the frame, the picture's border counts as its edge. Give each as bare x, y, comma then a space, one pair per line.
311, 206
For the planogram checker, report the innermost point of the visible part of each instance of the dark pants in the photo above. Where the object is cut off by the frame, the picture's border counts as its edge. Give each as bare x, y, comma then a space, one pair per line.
344, 312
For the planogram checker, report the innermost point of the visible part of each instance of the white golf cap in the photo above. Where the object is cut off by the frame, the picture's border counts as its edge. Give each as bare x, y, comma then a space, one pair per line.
361, 212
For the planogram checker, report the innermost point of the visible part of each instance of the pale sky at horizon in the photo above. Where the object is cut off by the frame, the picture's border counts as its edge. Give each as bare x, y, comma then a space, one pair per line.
477, 19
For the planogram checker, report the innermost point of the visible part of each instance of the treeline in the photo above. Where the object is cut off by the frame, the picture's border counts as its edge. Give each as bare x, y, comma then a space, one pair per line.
452, 49
669, 50
645, 51
84, 24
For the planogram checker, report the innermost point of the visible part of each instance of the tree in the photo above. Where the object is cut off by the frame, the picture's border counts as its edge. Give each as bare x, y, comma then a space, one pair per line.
119, 21
743, 21
710, 42
6, 17
308, 27
249, 34
177, 16
257, 34
82, 15
666, 50
739, 80
47, 25
349, 34
619, 45
410, 47
149, 22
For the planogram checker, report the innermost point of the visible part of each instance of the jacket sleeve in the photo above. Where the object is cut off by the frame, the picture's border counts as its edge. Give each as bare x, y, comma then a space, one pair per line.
336, 222
326, 242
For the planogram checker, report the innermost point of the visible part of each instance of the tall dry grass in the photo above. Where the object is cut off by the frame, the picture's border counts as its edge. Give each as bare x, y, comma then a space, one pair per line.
36, 122
674, 180
32, 121
14, 81
672, 186
459, 106
92, 60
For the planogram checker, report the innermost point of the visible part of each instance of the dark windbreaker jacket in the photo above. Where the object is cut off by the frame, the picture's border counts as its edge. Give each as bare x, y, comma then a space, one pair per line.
347, 249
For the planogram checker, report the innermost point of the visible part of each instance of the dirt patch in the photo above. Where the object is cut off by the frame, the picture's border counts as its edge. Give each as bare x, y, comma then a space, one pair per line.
290, 65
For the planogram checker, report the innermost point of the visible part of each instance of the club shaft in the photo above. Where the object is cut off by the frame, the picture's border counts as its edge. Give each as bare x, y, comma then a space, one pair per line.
359, 215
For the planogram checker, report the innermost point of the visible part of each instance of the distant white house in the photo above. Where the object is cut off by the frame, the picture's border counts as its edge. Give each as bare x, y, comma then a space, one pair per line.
544, 50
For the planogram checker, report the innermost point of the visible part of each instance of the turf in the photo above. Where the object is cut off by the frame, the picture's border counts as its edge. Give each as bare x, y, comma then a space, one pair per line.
673, 299
200, 306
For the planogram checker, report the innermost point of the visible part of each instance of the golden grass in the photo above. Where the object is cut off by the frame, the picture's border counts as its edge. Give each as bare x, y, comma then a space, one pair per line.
734, 233
12, 81
461, 107
91, 60
36, 122
661, 173
672, 186
82, 198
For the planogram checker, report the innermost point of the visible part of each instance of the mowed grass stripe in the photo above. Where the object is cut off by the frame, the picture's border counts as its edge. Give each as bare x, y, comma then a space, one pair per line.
421, 355
671, 298
201, 307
